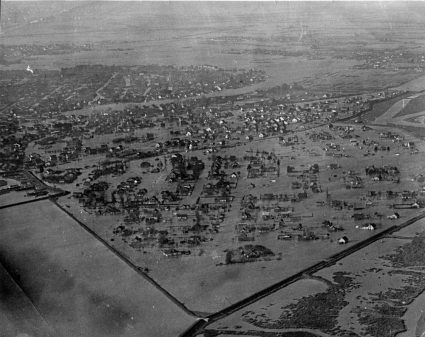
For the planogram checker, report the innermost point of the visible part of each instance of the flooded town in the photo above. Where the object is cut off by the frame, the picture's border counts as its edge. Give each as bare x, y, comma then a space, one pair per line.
212, 169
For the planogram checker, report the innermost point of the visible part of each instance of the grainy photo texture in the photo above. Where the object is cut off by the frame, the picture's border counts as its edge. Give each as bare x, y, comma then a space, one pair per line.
203, 169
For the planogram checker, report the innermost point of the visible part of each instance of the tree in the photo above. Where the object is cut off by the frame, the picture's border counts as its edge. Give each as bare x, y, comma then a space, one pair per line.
228, 259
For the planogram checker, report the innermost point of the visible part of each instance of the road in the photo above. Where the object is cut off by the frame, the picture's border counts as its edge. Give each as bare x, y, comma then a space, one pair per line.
99, 96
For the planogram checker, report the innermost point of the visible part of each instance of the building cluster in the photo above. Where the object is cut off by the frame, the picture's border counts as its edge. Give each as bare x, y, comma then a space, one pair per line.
394, 60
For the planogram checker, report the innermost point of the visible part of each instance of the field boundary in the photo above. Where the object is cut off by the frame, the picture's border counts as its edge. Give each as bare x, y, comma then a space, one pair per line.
125, 259
59, 194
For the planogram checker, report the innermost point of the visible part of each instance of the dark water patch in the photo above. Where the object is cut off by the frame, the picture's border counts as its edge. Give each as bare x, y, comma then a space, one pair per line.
229, 274
20, 270
10, 296
67, 304
16, 309
36, 273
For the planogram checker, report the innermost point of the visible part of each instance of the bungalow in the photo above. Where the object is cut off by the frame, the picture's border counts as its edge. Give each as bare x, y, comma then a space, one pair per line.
368, 226
343, 240
393, 216
267, 216
171, 252
153, 201
234, 175
181, 216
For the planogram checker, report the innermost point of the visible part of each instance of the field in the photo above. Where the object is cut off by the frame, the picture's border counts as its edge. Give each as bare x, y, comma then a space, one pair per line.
76, 284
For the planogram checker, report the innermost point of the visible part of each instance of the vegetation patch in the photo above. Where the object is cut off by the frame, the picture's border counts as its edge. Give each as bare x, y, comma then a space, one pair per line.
319, 311
411, 254
386, 317
383, 320
247, 253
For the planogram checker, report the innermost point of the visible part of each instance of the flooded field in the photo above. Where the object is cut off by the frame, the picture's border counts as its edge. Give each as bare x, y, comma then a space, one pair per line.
373, 288
78, 285
271, 310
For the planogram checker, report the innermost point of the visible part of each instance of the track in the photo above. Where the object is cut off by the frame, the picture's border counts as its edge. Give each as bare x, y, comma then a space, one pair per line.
200, 325
50, 196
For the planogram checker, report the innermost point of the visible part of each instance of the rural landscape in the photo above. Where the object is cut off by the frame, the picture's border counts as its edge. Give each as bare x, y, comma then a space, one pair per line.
203, 169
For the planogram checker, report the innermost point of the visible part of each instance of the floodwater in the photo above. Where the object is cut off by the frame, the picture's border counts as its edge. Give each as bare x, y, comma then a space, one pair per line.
77, 285
18, 317
271, 306
414, 318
